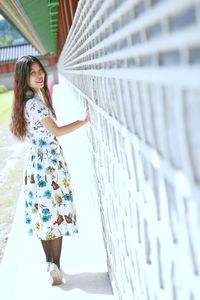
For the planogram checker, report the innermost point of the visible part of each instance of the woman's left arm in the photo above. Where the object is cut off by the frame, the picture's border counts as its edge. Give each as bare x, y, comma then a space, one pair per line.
51, 125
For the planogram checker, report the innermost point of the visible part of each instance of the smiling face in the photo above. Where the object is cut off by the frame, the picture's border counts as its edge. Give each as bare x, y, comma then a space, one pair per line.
36, 77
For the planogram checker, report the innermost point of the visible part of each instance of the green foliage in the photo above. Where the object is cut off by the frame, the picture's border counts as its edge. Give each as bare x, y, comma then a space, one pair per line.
8, 33
6, 41
3, 89
6, 27
6, 100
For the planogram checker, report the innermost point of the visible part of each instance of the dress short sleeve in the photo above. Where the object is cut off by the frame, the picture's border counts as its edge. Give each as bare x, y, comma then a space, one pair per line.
37, 110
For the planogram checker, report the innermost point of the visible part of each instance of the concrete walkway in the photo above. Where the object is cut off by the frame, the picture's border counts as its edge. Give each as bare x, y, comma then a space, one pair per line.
22, 273
11, 161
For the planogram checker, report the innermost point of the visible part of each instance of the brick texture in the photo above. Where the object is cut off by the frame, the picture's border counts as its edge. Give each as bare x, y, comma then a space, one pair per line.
138, 64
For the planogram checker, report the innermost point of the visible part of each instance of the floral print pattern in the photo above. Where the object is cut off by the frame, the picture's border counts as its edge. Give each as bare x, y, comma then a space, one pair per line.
49, 206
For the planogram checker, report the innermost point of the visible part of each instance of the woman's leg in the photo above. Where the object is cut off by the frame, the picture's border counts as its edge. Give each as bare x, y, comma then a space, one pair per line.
47, 250
56, 247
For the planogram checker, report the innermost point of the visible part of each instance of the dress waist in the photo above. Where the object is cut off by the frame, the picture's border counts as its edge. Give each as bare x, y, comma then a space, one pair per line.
42, 142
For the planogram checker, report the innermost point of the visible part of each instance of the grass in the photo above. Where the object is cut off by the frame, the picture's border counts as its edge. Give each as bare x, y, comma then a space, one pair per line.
6, 100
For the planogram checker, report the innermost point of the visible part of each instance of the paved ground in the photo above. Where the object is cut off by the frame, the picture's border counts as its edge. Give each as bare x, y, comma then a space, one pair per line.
23, 275
11, 161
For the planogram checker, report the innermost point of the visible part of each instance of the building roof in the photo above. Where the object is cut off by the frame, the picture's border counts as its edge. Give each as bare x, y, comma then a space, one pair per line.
37, 20
12, 53
44, 23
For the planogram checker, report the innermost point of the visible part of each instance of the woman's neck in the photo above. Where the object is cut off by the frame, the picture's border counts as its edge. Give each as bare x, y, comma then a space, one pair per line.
40, 95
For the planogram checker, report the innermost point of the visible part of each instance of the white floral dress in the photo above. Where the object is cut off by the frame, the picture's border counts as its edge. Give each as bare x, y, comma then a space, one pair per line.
49, 208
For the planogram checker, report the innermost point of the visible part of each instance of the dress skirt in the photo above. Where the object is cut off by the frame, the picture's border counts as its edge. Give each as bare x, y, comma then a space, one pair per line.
49, 208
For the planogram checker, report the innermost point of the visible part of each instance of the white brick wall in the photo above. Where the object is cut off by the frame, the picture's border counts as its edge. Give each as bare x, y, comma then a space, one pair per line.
137, 62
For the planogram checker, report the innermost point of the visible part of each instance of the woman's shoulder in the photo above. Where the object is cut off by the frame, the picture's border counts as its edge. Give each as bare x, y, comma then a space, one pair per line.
35, 108
33, 103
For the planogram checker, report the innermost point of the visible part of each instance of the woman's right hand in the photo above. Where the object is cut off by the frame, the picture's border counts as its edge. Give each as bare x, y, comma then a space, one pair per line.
86, 112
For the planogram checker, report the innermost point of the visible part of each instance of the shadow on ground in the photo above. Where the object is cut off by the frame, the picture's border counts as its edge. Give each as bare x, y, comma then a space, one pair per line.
91, 283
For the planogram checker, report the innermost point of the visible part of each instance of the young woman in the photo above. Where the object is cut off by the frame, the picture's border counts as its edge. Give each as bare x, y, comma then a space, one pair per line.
49, 208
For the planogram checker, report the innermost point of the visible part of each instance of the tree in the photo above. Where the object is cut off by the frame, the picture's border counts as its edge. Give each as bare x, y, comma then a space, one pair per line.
8, 33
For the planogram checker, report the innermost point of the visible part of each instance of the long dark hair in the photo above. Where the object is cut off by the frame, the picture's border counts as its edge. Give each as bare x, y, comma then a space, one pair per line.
23, 92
